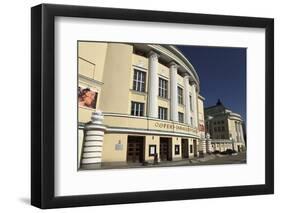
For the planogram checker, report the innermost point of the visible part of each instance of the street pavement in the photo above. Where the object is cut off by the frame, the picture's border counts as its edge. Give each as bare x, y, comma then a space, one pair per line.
209, 159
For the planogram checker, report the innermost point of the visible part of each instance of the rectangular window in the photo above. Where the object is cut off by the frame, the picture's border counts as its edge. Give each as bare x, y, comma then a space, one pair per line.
180, 95
163, 113
163, 88
191, 121
190, 148
190, 103
139, 80
137, 109
180, 115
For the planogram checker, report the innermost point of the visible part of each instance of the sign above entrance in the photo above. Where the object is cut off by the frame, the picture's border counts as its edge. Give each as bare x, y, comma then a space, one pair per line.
169, 126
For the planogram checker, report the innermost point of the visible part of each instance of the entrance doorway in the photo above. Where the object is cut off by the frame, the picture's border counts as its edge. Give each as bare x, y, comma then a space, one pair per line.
185, 149
135, 149
165, 149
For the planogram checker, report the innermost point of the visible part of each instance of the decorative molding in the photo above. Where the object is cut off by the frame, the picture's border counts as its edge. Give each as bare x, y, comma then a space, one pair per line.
86, 60
140, 68
91, 80
149, 132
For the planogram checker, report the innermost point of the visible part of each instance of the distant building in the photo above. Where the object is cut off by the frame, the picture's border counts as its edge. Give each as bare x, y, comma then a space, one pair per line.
225, 128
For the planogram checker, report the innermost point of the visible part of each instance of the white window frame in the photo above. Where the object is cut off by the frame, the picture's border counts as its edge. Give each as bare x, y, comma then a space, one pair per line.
140, 80
182, 120
162, 113
163, 88
180, 96
136, 106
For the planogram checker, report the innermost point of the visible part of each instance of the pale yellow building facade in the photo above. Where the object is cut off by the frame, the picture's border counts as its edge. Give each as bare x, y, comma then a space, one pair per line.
146, 106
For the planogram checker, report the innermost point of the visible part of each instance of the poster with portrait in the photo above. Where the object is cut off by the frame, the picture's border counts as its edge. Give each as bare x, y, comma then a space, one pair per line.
87, 97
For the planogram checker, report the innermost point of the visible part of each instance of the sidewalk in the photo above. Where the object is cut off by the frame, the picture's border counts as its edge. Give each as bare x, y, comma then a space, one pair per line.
209, 159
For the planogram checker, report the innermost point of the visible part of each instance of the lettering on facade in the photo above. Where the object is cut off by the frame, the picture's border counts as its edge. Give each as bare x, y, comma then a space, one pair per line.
173, 127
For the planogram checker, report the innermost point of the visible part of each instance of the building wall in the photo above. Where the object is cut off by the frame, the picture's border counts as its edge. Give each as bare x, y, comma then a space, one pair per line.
91, 60
115, 64
108, 68
95, 53
232, 130
151, 140
110, 153
84, 114
201, 121
201, 111
219, 127
140, 61
176, 141
116, 77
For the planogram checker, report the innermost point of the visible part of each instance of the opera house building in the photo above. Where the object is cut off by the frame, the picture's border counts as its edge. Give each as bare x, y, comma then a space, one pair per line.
137, 103
225, 128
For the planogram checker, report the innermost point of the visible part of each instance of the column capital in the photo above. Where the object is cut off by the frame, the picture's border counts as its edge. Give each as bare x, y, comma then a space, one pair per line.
193, 83
153, 55
173, 64
186, 77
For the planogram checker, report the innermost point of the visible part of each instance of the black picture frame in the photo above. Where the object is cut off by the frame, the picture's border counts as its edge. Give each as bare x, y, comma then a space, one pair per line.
43, 102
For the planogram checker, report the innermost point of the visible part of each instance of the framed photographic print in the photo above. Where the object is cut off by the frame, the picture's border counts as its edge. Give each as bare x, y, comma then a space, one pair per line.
140, 106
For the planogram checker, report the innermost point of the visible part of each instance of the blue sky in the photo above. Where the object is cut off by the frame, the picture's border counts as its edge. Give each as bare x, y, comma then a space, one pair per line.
222, 73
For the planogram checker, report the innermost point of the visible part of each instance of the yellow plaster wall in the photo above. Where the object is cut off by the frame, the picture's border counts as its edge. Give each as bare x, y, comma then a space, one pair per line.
94, 52
151, 140
140, 61
176, 141
115, 93
109, 153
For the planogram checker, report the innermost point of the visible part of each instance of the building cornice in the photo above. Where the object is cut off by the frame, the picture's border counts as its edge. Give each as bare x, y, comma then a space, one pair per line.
175, 55
201, 97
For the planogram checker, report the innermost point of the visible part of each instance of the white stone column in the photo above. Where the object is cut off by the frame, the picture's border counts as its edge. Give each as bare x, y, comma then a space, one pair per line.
237, 131
174, 92
195, 99
233, 144
209, 148
93, 143
241, 133
202, 144
153, 85
186, 99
